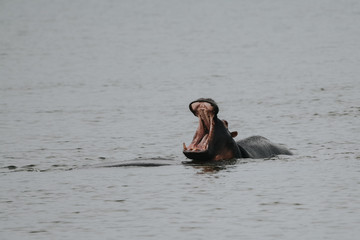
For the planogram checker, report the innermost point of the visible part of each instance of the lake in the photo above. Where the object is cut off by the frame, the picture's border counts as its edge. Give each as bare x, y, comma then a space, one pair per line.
90, 84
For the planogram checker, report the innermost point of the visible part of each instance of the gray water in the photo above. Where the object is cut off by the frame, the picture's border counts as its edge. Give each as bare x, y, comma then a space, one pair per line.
96, 83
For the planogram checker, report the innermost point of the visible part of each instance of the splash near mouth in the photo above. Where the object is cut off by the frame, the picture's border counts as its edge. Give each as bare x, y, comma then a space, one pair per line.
205, 131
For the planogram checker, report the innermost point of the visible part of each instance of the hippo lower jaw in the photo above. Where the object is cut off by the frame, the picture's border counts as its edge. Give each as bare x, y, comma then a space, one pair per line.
199, 147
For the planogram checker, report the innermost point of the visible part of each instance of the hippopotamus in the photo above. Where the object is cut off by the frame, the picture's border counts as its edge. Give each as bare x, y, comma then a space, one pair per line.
213, 141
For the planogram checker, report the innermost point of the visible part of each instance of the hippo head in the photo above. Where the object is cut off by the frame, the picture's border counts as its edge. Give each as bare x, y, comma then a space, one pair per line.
212, 139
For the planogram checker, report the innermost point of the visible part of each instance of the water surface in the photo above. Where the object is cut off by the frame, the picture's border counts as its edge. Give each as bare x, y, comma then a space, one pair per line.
87, 84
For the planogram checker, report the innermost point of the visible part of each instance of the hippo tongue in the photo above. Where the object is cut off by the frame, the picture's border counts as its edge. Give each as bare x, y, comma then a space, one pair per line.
201, 146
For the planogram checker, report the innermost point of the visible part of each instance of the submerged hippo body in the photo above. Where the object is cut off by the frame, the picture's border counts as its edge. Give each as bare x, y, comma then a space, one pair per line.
213, 141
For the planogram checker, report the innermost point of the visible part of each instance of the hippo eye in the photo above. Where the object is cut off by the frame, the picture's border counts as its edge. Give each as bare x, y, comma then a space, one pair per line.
225, 123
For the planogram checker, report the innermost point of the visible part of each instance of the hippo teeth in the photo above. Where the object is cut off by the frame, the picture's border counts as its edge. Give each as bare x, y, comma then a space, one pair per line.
202, 135
205, 119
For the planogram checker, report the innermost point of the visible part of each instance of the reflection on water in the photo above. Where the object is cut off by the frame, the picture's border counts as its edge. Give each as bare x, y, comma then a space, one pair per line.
94, 110
213, 166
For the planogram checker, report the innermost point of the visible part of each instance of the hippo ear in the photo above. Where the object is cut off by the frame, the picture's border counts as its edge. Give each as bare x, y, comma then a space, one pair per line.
234, 134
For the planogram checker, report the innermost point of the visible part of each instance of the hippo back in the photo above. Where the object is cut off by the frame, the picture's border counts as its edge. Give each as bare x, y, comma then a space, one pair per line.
260, 147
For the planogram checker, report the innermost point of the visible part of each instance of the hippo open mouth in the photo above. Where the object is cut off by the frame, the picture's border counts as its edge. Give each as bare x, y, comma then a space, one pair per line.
205, 110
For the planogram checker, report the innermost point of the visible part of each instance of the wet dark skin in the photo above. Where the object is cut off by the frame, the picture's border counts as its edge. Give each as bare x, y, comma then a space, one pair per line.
213, 141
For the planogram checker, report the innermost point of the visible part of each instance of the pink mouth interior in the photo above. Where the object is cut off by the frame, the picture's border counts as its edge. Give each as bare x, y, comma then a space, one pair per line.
205, 112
